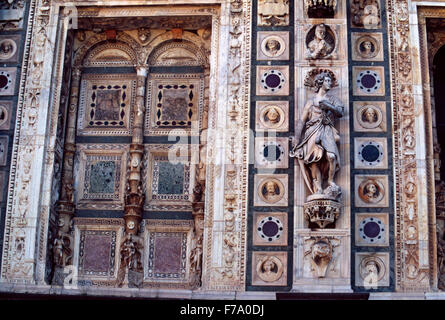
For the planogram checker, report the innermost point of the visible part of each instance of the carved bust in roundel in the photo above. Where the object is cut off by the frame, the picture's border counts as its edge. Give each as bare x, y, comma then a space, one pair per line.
320, 42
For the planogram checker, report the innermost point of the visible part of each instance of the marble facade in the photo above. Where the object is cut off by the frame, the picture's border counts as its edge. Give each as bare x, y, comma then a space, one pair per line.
161, 158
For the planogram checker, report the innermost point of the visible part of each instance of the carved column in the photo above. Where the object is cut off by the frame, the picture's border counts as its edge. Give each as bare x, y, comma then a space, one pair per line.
131, 270
134, 199
63, 246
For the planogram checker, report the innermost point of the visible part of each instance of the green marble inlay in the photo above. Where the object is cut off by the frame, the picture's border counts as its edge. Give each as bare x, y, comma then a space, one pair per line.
102, 176
171, 178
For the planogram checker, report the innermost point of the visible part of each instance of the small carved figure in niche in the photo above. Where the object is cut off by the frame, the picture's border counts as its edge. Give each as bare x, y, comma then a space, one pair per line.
81, 35
62, 252
196, 255
320, 46
273, 46
197, 193
270, 269
369, 115
143, 34
273, 12
317, 149
131, 253
367, 48
371, 190
272, 115
271, 191
69, 190
7, 49
20, 245
412, 233
440, 260
58, 249
371, 275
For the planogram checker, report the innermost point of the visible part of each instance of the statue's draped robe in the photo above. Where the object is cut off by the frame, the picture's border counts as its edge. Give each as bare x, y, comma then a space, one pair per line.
320, 136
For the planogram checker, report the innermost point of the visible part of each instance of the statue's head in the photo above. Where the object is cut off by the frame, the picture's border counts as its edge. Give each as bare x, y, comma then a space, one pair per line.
273, 115
270, 187
320, 31
370, 114
323, 79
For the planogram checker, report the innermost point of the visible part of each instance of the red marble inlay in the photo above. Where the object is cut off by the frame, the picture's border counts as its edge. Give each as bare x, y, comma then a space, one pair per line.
167, 258
97, 253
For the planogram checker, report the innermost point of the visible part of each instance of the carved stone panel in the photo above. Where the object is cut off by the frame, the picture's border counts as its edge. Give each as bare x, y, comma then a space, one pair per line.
269, 268
271, 190
96, 250
322, 255
370, 153
371, 191
321, 42
174, 102
272, 153
12, 12
365, 14
272, 116
372, 270
368, 81
273, 45
9, 49
367, 46
7, 81
273, 12
4, 144
370, 116
105, 105
270, 229
5, 115
272, 81
371, 229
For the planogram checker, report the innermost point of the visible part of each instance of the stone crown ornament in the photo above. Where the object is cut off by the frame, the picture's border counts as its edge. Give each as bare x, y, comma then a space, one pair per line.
321, 8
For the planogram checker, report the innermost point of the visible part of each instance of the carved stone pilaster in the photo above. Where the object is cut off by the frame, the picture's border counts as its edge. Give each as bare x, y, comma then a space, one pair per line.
63, 245
134, 197
131, 269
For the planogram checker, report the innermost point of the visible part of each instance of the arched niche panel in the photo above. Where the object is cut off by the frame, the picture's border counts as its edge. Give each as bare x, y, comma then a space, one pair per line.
165, 50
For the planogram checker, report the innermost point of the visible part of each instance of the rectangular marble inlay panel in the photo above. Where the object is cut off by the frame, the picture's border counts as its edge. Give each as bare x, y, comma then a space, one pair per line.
97, 250
174, 101
105, 104
102, 177
170, 181
167, 255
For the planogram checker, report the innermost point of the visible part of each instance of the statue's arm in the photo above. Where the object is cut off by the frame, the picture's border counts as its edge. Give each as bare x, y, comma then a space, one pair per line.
337, 107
